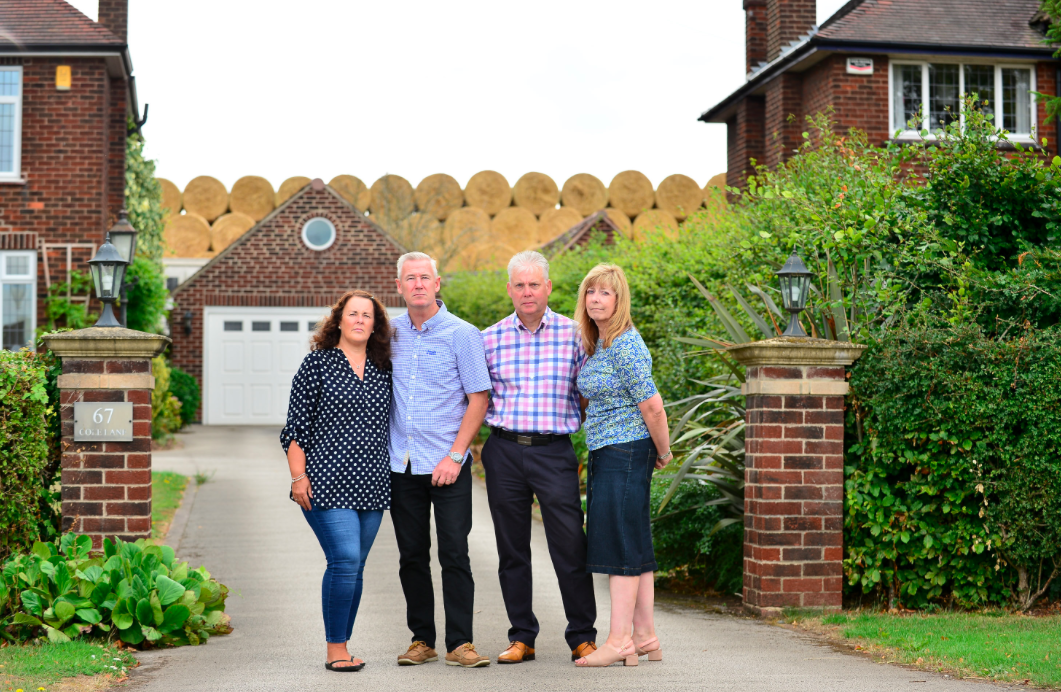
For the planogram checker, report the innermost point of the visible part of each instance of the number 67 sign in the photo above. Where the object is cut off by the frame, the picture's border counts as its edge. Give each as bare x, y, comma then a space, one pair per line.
103, 421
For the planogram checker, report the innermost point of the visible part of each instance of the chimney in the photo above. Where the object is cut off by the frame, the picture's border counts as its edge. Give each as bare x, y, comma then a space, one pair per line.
114, 14
754, 32
786, 20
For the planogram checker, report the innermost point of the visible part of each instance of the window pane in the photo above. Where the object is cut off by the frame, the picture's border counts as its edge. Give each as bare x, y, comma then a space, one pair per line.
289, 326
16, 265
1016, 102
8, 83
311, 326
233, 326
260, 326
17, 311
942, 95
980, 80
907, 95
7, 138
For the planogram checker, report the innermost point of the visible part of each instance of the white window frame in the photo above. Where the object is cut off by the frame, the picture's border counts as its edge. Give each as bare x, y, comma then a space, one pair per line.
29, 279
909, 135
16, 160
331, 241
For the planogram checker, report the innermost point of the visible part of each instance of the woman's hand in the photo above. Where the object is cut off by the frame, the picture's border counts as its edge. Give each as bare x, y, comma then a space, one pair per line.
302, 492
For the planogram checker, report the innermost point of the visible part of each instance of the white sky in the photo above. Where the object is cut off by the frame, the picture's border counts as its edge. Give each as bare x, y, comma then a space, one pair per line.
325, 87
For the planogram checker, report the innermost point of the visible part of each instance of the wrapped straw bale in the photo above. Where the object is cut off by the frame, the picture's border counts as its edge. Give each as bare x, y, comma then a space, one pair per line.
187, 235
651, 219
290, 187
228, 228
352, 190
253, 196
171, 198
621, 221
679, 195
206, 197
392, 201
584, 193
489, 191
556, 221
631, 192
516, 227
536, 192
439, 195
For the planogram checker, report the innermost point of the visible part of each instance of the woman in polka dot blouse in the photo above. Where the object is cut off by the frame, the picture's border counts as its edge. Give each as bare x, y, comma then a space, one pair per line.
336, 445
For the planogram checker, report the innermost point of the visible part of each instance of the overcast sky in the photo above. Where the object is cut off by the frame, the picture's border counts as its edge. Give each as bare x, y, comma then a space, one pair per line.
325, 87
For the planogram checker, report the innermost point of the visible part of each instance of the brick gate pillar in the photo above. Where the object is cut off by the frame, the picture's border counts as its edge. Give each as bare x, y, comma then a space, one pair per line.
106, 465
794, 472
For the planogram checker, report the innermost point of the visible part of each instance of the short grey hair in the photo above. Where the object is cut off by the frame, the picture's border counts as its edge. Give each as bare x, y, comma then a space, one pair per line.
417, 256
528, 259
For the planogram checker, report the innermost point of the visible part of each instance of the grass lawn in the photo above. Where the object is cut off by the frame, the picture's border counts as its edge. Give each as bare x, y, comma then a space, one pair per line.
996, 646
33, 668
167, 488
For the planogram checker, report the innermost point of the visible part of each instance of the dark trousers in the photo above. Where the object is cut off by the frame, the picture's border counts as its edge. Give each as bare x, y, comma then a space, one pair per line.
514, 475
411, 501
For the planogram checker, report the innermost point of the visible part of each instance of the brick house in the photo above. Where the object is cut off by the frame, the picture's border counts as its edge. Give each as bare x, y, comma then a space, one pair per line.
876, 63
66, 89
241, 324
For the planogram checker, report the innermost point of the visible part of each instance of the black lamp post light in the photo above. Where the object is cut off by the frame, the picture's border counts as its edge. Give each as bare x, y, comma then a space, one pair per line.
108, 272
795, 285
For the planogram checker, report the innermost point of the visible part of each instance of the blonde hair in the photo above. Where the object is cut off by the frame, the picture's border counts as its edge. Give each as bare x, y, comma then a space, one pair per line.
611, 277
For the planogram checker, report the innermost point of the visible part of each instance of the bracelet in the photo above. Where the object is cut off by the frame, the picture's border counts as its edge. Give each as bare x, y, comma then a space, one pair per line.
299, 478
666, 456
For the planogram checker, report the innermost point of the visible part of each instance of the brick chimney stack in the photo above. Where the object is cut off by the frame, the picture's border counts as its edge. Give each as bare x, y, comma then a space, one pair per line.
754, 32
114, 14
786, 20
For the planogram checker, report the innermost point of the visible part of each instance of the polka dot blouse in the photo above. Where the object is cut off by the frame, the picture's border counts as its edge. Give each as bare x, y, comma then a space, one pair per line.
340, 422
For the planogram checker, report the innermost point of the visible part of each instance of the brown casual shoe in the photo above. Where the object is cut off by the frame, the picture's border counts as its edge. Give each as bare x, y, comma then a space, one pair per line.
418, 653
583, 649
465, 656
517, 652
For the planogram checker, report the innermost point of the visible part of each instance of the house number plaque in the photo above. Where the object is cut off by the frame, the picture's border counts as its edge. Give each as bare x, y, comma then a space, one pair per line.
104, 421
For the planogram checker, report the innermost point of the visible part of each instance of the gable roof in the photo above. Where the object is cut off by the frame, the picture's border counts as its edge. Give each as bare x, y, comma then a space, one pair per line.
51, 24
580, 233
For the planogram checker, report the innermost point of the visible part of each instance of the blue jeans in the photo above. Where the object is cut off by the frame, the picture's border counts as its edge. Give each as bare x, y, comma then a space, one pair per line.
346, 535
618, 527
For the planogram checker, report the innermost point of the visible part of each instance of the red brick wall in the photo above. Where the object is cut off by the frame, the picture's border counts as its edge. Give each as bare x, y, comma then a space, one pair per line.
1045, 82
784, 117
754, 33
787, 20
271, 266
746, 139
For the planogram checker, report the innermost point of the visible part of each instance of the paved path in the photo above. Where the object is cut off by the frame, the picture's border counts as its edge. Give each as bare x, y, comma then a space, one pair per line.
252, 538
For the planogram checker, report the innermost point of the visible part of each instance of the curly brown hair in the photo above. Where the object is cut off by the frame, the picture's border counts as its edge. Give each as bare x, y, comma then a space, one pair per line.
379, 341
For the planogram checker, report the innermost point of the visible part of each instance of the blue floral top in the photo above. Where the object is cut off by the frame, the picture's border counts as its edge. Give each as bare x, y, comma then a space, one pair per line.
615, 380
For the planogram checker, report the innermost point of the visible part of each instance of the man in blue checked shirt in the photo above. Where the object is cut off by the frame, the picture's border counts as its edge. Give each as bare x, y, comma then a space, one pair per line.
534, 356
440, 392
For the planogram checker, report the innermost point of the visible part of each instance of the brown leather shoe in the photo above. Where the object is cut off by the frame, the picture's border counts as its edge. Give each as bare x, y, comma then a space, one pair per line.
517, 652
418, 653
583, 649
465, 656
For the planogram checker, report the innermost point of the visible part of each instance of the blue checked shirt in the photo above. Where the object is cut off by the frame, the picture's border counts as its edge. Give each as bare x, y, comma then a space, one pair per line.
434, 371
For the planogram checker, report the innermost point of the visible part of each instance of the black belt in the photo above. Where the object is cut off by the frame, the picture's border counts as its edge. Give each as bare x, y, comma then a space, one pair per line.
528, 439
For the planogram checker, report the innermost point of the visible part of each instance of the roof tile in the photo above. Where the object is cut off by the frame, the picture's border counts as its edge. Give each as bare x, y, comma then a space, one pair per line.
36, 23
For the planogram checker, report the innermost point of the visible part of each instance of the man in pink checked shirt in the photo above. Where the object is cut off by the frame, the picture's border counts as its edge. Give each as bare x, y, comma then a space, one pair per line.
534, 356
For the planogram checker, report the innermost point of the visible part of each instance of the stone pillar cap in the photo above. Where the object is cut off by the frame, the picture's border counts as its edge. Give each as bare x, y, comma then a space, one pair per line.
105, 342
796, 350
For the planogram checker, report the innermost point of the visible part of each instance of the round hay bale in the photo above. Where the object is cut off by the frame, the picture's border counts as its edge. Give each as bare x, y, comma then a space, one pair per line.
489, 191
439, 195
228, 228
536, 192
715, 192
352, 190
465, 226
206, 197
290, 187
516, 227
392, 201
651, 219
419, 231
253, 196
485, 256
679, 195
187, 235
631, 192
621, 220
585, 193
557, 221
171, 198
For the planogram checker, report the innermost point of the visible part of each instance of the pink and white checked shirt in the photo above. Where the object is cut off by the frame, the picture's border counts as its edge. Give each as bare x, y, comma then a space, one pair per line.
533, 375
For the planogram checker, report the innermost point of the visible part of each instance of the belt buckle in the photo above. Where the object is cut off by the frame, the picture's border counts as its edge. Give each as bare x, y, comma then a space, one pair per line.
524, 440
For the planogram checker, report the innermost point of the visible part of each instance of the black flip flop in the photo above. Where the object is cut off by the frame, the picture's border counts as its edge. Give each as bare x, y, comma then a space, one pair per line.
344, 669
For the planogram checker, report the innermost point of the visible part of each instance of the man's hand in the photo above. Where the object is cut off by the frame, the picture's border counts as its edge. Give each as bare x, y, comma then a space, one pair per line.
445, 472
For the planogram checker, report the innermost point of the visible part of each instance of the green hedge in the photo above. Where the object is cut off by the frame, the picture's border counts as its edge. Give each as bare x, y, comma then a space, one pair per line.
954, 467
186, 390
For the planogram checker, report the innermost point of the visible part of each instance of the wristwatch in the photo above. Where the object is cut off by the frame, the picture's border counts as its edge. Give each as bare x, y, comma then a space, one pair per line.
458, 458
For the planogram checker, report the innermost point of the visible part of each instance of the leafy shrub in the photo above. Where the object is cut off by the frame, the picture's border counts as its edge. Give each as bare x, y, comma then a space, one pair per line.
136, 591
165, 408
143, 198
184, 387
146, 295
62, 311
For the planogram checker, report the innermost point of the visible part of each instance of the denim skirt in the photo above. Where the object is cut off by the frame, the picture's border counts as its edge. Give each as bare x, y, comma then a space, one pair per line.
617, 509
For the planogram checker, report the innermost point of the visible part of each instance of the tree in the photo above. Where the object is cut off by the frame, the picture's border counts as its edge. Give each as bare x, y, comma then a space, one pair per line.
146, 293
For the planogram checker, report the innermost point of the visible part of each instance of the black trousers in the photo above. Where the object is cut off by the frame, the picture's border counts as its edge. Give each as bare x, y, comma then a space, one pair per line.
411, 501
514, 475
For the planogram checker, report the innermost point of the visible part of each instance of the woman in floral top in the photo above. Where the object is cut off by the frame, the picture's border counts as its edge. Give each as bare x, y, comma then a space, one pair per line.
626, 431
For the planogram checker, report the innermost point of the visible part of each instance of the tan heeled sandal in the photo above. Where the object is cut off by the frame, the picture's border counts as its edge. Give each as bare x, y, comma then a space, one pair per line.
607, 655
654, 654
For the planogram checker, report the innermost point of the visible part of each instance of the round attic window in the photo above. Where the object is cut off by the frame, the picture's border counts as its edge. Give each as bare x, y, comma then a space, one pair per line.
318, 233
